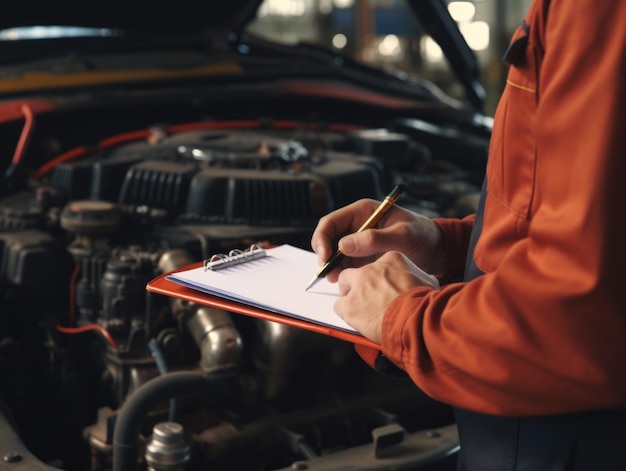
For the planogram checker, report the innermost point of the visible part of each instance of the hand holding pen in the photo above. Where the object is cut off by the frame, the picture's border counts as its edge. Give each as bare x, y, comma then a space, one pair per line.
334, 261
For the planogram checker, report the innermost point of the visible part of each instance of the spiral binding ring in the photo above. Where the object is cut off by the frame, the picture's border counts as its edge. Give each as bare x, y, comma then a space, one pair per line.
235, 257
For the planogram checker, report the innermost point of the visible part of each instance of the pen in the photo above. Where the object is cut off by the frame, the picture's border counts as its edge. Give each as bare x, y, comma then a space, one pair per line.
386, 204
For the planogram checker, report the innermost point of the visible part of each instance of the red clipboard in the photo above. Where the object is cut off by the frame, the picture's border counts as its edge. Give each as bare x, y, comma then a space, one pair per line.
161, 285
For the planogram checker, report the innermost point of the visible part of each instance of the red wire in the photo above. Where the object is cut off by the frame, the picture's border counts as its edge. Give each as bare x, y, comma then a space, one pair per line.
27, 130
69, 155
73, 279
145, 133
84, 328
87, 328
126, 137
247, 124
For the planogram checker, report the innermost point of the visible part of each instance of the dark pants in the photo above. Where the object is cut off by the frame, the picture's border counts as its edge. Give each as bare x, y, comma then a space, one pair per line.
588, 441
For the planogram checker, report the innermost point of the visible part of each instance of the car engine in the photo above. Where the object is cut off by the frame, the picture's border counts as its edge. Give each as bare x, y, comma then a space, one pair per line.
99, 374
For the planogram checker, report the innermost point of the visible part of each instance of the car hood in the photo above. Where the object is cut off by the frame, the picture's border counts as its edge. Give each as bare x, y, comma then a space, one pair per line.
144, 23
181, 16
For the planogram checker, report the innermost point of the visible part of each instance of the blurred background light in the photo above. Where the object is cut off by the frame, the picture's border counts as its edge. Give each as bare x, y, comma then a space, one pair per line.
476, 34
389, 46
340, 41
431, 50
283, 8
325, 7
461, 11
343, 3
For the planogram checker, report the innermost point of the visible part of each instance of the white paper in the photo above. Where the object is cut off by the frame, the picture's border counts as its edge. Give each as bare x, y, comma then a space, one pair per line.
275, 283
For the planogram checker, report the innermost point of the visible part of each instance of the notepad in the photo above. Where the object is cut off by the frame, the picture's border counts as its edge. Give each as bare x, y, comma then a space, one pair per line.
275, 282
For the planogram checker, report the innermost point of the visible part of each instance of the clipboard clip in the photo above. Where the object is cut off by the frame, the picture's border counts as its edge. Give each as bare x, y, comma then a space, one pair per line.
235, 257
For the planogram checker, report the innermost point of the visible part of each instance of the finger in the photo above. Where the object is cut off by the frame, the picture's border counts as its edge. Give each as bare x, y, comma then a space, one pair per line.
342, 308
339, 307
322, 245
344, 285
360, 244
344, 281
324, 236
333, 225
373, 241
333, 275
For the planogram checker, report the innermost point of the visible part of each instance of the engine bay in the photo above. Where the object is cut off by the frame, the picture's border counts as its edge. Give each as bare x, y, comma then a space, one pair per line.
81, 341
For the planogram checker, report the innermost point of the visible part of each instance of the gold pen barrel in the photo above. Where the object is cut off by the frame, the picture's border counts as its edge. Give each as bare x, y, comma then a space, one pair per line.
376, 215
389, 201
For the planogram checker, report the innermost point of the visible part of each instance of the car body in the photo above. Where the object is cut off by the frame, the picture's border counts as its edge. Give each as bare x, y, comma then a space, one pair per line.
158, 137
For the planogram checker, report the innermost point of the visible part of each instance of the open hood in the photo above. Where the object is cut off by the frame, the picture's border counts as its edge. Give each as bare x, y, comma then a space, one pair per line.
179, 16
193, 17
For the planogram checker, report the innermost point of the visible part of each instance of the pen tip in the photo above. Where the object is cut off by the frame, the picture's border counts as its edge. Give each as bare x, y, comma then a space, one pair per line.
310, 285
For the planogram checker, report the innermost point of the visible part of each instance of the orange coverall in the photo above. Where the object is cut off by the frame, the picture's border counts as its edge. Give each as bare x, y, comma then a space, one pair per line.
543, 330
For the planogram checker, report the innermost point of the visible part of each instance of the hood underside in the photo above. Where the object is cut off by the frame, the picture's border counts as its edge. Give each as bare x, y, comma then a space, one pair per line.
179, 16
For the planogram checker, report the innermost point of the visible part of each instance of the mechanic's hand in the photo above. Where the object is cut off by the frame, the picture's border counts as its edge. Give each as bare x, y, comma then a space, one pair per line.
413, 234
366, 292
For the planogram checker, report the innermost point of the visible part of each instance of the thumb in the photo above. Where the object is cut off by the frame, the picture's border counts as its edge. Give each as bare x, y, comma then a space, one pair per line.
348, 244
359, 244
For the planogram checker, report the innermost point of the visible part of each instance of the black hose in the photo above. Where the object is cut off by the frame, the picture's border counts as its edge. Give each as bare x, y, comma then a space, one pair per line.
159, 359
130, 418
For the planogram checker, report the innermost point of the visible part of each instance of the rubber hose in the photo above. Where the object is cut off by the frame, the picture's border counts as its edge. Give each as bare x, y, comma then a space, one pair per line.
140, 403
161, 364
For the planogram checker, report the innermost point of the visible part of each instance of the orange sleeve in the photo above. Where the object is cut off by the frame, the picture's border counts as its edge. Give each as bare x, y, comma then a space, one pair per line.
456, 235
544, 330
